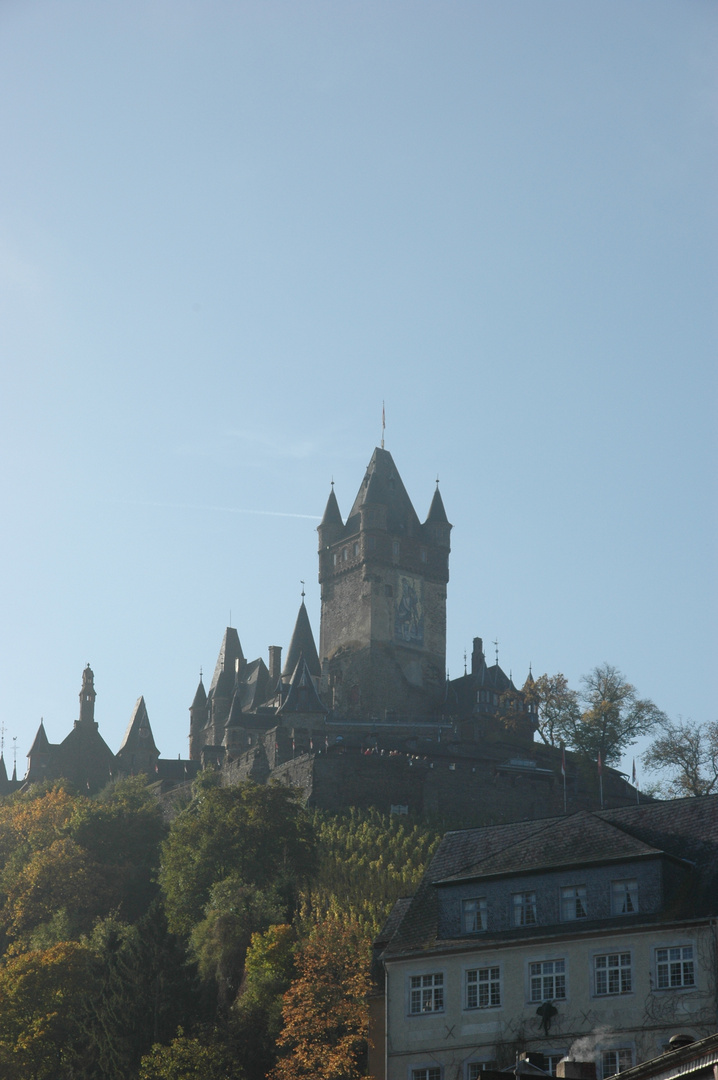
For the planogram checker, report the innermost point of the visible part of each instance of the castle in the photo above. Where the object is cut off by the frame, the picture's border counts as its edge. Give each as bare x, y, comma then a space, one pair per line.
368, 719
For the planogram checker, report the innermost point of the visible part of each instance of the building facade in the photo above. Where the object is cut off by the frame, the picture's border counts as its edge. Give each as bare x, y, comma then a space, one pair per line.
592, 935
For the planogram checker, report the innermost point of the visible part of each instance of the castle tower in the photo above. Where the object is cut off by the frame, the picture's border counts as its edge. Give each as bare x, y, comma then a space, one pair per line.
383, 609
87, 698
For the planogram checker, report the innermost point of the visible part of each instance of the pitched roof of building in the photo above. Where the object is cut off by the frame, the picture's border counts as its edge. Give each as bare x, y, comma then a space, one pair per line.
683, 829
138, 735
40, 743
230, 653
302, 696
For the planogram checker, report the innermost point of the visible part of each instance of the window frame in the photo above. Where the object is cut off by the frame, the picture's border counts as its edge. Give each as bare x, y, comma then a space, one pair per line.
521, 907
601, 1055
543, 975
604, 954
629, 895
481, 910
494, 981
422, 1072
578, 897
669, 963
433, 987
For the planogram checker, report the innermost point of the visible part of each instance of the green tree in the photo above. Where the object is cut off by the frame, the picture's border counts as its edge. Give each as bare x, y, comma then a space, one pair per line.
189, 1058
256, 1018
257, 834
688, 753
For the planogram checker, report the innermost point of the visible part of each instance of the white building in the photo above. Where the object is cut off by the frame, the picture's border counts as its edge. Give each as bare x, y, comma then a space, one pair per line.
594, 931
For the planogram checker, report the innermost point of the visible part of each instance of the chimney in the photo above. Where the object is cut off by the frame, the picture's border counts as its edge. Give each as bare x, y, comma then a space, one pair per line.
477, 656
275, 664
568, 1069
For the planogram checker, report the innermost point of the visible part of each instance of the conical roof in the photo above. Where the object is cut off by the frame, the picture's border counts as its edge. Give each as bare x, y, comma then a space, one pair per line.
230, 652
302, 696
436, 510
200, 697
302, 644
332, 515
40, 744
383, 486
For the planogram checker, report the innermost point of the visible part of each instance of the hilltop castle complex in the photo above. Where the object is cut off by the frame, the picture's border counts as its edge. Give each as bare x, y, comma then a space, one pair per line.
368, 719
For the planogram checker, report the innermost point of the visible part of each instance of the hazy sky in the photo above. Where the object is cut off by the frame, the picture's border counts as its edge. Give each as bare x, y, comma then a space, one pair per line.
229, 230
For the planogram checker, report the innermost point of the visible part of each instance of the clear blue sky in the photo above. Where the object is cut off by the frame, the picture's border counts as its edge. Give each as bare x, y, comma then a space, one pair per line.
229, 230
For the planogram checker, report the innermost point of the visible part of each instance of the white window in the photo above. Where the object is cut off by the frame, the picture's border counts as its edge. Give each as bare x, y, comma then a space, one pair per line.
432, 1072
483, 988
426, 993
615, 1061
573, 902
547, 980
473, 915
524, 909
674, 967
613, 973
624, 897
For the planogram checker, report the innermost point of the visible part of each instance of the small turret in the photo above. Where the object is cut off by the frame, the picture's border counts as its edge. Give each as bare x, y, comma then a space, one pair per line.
87, 698
197, 720
332, 526
302, 644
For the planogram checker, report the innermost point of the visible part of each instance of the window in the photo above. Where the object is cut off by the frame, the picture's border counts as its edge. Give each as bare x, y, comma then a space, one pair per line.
356, 550
433, 1072
345, 554
395, 548
573, 902
624, 897
473, 1069
483, 988
426, 993
473, 915
524, 908
613, 973
552, 1059
674, 967
547, 980
615, 1061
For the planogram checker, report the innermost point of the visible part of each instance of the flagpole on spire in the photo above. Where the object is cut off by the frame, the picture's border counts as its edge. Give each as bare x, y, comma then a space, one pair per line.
383, 424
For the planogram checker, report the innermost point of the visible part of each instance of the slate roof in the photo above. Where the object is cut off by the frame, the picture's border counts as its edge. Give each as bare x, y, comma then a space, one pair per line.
383, 486
332, 515
437, 513
683, 829
138, 735
302, 643
230, 652
302, 696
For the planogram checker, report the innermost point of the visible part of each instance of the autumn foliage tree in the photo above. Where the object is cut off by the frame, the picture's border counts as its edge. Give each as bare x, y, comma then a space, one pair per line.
688, 754
325, 1011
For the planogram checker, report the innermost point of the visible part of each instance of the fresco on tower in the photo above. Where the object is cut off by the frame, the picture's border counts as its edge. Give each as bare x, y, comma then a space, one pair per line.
409, 611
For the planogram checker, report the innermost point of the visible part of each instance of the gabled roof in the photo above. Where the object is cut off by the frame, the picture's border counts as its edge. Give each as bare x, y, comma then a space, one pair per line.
251, 690
138, 735
383, 486
229, 653
581, 839
302, 644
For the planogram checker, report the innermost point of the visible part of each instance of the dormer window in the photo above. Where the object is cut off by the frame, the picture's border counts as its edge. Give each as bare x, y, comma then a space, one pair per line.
525, 909
624, 897
473, 915
573, 902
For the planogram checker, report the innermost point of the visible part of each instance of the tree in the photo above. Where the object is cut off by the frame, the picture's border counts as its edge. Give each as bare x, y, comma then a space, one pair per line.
256, 1017
688, 752
557, 705
44, 996
325, 1010
189, 1058
614, 716
258, 834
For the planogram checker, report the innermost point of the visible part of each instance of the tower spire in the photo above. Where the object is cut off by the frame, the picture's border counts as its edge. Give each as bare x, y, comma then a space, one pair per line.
383, 424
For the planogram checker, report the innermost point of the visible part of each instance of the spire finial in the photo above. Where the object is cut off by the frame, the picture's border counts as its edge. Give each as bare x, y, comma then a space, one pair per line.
383, 424
464, 661
437, 479
14, 750
332, 483
200, 673
303, 593
496, 647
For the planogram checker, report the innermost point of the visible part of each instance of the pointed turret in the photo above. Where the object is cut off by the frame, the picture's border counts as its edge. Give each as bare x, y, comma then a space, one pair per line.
302, 644
197, 721
229, 661
138, 753
40, 744
200, 698
331, 527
